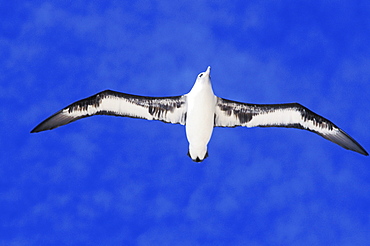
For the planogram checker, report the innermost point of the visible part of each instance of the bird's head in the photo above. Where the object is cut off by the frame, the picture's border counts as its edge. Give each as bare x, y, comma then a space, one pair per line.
205, 76
203, 82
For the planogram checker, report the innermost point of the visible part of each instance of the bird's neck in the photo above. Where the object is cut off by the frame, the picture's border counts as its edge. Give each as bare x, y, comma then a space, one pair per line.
202, 87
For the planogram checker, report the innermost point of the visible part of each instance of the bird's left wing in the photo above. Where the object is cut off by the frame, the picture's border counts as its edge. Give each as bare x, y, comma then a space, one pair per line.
294, 115
166, 109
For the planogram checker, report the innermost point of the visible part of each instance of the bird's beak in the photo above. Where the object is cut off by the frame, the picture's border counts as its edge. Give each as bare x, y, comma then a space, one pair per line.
208, 71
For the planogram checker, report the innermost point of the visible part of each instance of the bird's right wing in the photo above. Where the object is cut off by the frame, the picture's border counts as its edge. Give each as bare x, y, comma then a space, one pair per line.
292, 115
166, 109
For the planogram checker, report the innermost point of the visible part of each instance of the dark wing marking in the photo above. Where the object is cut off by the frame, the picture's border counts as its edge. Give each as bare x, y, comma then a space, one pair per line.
230, 114
166, 109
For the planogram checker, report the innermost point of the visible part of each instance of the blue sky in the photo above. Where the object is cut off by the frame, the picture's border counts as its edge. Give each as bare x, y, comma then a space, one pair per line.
122, 181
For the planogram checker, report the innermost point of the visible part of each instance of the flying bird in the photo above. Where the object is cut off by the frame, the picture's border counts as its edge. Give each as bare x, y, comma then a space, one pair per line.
200, 111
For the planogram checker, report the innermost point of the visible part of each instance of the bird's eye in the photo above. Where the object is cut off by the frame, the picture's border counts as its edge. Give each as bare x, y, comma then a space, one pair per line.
200, 75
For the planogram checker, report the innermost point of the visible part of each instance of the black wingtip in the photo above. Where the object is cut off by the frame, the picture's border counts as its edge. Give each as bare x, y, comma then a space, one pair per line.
42, 127
359, 149
34, 130
347, 142
362, 152
37, 129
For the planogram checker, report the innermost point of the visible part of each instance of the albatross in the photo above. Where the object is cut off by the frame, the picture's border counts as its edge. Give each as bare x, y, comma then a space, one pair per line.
200, 111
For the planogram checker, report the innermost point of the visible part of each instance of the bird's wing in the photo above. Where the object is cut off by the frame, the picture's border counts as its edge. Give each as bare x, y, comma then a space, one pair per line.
230, 114
167, 109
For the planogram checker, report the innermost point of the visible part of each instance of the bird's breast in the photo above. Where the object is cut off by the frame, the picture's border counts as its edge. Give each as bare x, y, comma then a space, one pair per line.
200, 117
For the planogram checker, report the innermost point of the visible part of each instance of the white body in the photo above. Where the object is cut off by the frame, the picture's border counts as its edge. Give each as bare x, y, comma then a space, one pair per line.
201, 104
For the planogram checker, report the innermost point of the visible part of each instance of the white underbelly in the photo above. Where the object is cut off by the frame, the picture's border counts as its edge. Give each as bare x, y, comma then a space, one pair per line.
200, 120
